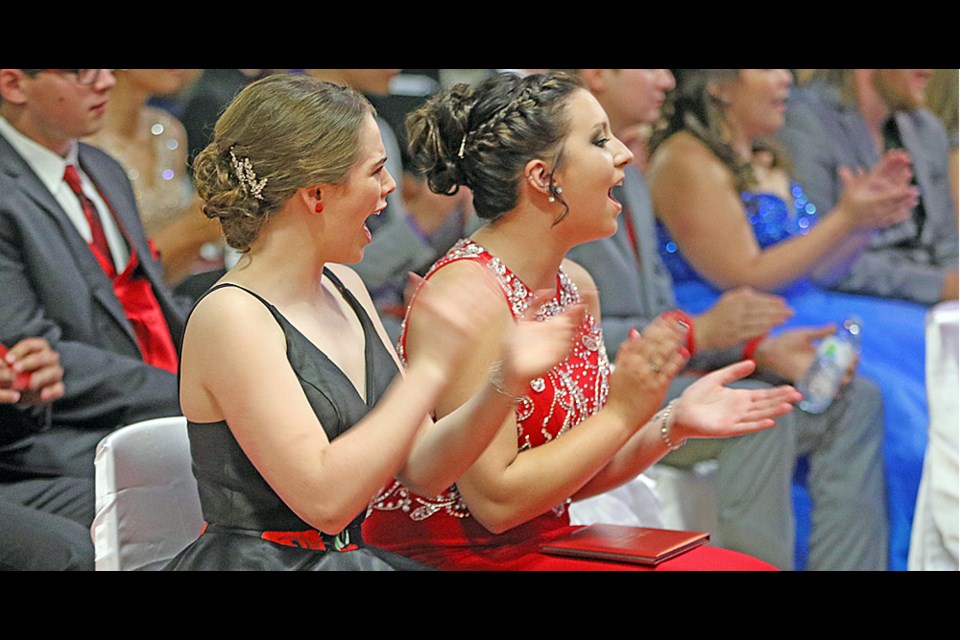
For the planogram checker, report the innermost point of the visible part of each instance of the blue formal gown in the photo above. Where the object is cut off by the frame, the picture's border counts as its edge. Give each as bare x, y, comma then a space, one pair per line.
892, 355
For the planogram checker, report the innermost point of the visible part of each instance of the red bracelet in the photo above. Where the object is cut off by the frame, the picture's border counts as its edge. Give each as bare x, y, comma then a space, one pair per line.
684, 317
751, 346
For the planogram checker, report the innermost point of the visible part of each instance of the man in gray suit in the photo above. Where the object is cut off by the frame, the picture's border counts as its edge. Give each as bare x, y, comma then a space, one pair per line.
755, 471
76, 269
849, 117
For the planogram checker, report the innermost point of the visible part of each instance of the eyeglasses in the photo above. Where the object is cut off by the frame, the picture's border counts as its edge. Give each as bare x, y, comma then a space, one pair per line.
84, 77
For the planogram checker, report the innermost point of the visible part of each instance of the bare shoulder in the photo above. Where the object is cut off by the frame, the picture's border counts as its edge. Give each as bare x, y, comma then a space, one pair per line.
232, 313
684, 156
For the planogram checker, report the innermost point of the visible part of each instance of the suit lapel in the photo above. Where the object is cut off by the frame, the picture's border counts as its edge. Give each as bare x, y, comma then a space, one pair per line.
101, 287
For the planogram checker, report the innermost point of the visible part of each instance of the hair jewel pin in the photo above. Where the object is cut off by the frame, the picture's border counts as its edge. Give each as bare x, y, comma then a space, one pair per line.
463, 145
247, 176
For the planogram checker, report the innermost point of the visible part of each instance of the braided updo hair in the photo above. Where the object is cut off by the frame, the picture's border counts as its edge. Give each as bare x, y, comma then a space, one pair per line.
295, 131
482, 137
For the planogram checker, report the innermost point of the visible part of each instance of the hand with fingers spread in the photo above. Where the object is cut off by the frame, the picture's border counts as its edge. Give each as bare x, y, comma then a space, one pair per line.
710, 409
645, 365
738, 316
30, 373
456, 312
529, 347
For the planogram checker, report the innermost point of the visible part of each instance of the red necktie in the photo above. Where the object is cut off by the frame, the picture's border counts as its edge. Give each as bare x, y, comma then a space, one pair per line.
72, 178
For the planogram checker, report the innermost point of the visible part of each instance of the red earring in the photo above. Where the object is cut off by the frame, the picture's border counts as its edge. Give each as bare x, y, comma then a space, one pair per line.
319, 208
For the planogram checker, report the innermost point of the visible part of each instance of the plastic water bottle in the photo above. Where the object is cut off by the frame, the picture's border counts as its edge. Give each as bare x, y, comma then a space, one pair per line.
821, 382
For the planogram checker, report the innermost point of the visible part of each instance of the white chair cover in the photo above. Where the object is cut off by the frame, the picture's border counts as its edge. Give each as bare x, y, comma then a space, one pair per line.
934, 536
147, 507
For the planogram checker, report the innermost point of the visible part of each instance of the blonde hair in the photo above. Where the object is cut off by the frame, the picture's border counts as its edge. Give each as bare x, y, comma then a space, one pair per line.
942, 97
295, 131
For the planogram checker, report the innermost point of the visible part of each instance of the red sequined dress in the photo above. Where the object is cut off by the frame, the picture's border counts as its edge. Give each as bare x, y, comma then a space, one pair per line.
440, 531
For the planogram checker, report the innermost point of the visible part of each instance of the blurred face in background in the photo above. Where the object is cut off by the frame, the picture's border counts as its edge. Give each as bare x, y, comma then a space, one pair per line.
902, 89
53, 107
635, 96
154, 81
756, 100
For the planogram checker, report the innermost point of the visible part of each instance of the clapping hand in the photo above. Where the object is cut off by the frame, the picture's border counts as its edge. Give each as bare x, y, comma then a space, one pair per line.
645, 366
882, 196
710, 409
465, 307
532, 347
738, 316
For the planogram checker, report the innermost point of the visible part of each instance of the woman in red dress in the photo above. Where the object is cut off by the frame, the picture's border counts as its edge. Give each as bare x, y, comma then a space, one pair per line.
540, 160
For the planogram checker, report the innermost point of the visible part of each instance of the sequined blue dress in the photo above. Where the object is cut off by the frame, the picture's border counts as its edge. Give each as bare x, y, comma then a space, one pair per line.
892, 349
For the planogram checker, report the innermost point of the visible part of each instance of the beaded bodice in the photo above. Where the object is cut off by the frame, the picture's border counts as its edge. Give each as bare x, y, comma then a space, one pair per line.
159, 178
572, 391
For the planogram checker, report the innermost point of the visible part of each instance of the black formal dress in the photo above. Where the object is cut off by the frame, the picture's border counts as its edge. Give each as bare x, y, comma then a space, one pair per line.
248, 526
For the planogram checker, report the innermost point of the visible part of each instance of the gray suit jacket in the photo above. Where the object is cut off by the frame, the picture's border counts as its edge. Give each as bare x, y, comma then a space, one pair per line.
823, 133
53, 287
632, 297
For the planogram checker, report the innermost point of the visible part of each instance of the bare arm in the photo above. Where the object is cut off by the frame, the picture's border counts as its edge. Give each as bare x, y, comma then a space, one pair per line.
445, 449
238, 371
695, 197
506, 487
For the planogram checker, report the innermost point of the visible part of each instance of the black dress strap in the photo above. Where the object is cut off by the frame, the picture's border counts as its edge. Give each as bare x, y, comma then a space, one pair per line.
376, 377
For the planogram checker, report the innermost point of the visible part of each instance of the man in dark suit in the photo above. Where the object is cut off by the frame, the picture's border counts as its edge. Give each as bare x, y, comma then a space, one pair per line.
44, 521
76, 269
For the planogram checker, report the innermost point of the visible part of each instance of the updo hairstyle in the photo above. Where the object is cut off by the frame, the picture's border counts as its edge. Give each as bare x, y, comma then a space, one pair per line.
482, 137
294, 131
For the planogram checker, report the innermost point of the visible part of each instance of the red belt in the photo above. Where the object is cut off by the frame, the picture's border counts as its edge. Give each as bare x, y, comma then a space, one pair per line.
347, 540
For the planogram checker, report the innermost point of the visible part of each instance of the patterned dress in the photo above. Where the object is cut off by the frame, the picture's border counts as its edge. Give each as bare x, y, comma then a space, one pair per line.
439, 530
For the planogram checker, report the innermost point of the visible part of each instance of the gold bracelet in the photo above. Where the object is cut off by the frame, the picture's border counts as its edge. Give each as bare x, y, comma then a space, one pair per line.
496, 379
664, 430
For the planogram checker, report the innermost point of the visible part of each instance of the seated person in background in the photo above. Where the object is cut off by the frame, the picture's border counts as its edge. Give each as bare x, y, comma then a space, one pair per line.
298, 410
44, 521
848, 118
76, 269
152, 146
539, 157
731, 215
754, 478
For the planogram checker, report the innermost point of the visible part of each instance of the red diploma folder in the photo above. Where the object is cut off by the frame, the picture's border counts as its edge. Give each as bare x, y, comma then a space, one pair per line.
640, 545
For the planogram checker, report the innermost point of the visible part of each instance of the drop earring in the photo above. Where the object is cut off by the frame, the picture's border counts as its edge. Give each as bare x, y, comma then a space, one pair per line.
557, 191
